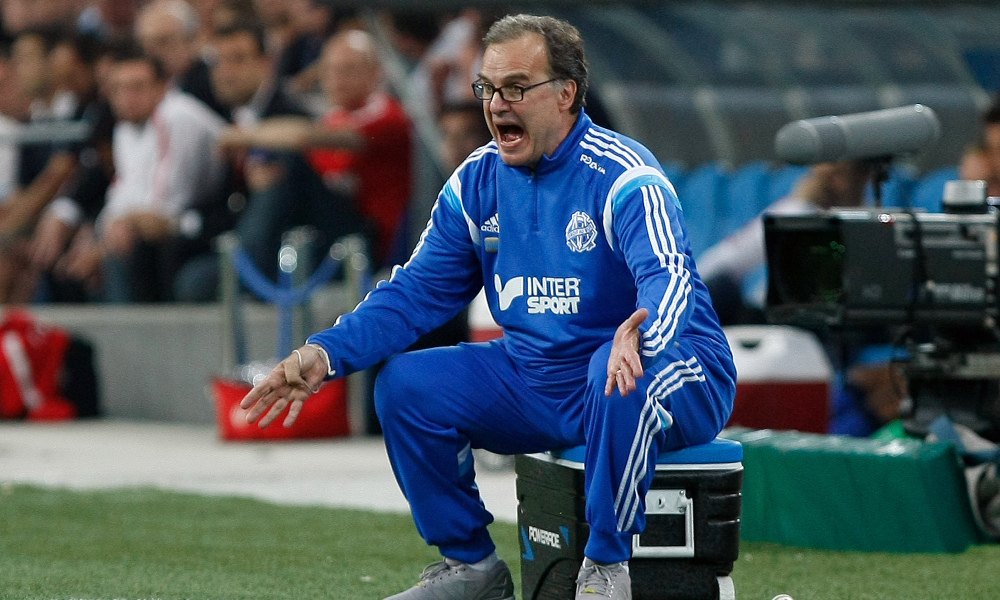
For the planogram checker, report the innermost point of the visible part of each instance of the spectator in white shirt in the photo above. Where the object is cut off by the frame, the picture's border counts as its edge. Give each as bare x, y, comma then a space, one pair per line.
168, 30
166, 159
13, 109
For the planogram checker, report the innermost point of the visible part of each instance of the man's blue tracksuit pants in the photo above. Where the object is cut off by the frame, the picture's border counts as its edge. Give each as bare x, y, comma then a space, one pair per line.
436, 405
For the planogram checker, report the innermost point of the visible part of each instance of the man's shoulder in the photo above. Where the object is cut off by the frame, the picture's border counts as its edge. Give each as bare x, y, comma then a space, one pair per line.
197, 81
473, 179
624, 164
613, 152
126, 132
482, 162
183, 109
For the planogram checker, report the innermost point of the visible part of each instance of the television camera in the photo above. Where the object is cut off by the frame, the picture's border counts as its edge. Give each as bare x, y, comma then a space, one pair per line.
930, 282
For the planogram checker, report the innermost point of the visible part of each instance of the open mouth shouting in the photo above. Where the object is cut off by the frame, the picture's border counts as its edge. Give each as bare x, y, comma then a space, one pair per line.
509, 135
512, 140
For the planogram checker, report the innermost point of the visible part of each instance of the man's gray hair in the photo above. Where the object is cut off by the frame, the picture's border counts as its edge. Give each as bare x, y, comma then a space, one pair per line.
562, 41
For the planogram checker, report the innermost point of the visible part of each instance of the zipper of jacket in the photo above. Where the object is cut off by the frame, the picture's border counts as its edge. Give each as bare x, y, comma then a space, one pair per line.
534, 188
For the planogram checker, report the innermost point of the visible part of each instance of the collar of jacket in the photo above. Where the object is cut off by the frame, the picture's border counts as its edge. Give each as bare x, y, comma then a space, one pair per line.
564, 152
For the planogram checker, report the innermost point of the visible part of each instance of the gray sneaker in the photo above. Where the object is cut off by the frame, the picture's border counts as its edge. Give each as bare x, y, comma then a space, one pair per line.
441, 581
603, 581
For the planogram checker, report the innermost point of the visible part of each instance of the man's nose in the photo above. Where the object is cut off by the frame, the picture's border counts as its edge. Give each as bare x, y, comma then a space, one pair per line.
498, 104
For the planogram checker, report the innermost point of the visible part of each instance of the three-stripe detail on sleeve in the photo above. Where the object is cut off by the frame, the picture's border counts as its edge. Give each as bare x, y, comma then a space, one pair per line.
656, 191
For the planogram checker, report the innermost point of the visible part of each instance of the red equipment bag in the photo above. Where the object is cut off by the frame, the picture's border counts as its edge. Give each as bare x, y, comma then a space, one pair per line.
31, 365
324, 414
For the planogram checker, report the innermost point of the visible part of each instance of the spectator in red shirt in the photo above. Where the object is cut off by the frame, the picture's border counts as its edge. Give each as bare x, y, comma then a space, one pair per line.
350, 172
377, 171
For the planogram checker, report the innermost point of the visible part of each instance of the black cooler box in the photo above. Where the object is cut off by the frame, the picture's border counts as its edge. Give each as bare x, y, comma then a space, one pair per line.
692, 524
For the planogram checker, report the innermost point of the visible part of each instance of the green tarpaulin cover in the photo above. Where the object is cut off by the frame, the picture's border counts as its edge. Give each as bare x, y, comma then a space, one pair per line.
843, 493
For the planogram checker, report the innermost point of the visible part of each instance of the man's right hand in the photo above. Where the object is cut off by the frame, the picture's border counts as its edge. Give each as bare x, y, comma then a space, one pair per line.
286, 387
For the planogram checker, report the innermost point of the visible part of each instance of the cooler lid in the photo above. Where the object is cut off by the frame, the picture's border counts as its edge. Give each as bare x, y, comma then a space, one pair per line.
719, 450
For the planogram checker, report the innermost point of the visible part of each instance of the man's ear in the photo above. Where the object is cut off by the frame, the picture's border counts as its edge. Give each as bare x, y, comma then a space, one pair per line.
567, 94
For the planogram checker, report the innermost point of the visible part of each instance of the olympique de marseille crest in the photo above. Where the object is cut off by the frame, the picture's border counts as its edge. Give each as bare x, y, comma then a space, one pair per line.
581, 233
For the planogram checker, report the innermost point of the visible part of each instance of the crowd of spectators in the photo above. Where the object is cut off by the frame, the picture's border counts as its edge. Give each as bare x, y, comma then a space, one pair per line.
132, 133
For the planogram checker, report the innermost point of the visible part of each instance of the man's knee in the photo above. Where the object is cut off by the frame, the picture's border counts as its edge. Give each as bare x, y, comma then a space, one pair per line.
598, 370
400, 387
615, 405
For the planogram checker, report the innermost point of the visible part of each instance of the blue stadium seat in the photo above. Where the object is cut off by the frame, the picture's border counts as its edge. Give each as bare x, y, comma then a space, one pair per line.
782, 182
744, 197
984, 63
929, 190
897, 191
700, 194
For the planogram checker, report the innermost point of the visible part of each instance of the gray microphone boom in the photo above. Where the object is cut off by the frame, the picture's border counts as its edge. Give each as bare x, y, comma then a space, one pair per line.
858, 136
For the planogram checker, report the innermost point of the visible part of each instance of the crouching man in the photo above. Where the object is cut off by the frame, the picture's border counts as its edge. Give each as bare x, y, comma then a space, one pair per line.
610, 339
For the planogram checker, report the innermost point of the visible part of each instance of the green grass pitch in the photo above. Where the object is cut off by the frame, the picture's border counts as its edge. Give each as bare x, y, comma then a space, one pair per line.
146, 544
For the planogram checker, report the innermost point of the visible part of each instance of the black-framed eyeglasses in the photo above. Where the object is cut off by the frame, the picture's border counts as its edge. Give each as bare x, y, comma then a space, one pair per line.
510, 93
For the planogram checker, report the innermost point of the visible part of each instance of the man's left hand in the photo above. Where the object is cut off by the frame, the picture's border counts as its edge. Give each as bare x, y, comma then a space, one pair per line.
624, 364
